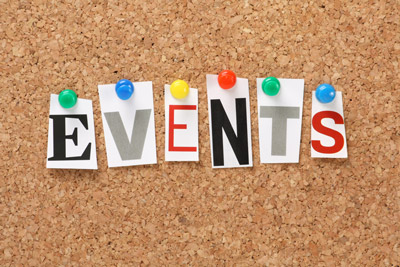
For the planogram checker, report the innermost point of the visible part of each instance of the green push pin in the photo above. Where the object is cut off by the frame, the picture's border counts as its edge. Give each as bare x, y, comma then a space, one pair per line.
67, 98
271, 86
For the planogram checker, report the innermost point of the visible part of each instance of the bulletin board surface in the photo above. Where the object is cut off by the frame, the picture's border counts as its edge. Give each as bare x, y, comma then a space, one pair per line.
320, 212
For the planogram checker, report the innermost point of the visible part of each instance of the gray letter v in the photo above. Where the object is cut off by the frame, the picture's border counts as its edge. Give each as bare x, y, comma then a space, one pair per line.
133, 149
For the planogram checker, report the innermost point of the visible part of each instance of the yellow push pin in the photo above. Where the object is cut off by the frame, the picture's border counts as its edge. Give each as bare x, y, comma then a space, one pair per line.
179, 89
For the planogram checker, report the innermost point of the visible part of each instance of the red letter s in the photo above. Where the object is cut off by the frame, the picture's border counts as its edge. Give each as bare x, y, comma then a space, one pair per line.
317, 125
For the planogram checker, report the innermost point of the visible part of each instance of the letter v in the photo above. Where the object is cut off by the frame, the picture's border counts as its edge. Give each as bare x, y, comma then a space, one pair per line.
129, 150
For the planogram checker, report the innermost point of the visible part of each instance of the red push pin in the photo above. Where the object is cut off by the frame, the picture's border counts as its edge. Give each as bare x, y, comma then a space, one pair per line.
226, 79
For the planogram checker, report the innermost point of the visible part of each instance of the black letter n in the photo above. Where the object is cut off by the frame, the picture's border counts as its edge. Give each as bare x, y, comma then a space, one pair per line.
239, 142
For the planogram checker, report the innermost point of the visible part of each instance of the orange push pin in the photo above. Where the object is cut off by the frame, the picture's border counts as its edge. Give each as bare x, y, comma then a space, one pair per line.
226, 79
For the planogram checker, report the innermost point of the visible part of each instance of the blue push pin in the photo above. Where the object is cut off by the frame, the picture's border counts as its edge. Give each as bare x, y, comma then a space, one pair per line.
124, 89
325, 93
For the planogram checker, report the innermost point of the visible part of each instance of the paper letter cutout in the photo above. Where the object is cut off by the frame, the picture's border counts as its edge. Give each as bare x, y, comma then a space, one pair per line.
181, 127
220, 122
339, 140
60, 137
129, 150
279, 122
230, 130
71, 139
132, 118
328, 134
172, 126
279, 116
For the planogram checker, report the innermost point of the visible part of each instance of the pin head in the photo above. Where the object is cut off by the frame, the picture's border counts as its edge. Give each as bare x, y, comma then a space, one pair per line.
179, 89
124, 89
271, 86
226, 79
67, 98
325, 93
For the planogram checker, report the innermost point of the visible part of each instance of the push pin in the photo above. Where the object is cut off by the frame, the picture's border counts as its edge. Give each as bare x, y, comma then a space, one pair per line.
179, 89
226, 79
124, 89
271, 86
67, 98
325, 93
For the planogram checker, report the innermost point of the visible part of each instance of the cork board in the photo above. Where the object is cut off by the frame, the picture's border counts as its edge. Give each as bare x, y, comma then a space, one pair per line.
320, 212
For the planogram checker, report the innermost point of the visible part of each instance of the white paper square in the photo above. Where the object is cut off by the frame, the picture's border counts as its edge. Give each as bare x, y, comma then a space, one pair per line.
291, 94
142, 98
84, 136
227, 97
182, 137
337, 106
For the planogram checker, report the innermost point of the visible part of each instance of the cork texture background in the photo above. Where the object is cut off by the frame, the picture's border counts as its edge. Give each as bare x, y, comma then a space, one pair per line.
320, 212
